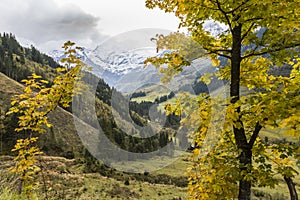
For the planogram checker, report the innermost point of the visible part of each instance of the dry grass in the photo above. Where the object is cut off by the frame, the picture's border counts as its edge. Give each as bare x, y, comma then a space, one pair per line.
64, 183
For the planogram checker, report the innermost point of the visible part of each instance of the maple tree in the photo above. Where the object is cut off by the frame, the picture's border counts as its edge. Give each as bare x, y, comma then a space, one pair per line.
33, 106
257, 36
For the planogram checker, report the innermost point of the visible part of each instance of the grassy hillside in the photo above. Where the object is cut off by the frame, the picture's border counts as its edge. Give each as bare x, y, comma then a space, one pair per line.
64, 179
62, 140
57, 141
68, 178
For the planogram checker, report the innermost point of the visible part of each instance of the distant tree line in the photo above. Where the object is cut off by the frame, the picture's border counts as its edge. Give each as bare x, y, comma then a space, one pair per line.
138, 94
164, 98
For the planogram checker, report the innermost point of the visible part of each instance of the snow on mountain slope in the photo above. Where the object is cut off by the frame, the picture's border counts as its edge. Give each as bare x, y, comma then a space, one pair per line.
57, 55
125, 71
123, 62
119, 60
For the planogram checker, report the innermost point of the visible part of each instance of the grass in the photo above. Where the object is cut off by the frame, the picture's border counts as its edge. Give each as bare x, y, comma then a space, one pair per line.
280, 192
156, 164
64, 180
176, 168
7, 194
99, 187
67, 182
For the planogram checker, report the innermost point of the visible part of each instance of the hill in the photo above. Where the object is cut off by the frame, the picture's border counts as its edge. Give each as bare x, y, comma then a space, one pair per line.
18, 62
59, 140
123, 128
62, 140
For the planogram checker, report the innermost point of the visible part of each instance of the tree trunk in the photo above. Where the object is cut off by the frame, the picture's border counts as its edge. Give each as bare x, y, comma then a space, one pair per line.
236, 64
292, 189
239, 133
245, 186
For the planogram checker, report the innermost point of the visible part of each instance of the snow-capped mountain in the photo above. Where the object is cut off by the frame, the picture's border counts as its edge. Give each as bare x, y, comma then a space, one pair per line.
123, 62
98, 70
120, 61
125, 71
57, 55
111, 66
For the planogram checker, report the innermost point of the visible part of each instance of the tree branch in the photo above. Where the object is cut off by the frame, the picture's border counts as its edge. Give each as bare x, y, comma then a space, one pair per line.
271, 50
257, 128
248, 31
223, 55
225, 15
217, 52
235, 9
224, 50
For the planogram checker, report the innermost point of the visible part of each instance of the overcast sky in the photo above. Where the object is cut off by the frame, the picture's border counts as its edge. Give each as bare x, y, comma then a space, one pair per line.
49, 23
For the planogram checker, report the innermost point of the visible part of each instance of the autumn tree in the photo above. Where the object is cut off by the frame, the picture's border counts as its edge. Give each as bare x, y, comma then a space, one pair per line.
32, 108
256, 37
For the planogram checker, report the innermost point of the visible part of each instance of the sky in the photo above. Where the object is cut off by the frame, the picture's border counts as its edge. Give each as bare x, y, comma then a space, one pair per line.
49, 23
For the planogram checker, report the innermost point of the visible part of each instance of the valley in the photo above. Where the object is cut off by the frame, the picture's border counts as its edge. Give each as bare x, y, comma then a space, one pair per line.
129, 106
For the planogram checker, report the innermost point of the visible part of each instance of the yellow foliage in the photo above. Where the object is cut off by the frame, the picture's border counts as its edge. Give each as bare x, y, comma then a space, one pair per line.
35, 104
258, 37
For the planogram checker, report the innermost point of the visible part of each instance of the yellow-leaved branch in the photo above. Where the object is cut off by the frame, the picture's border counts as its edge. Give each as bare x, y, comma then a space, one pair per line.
33, 106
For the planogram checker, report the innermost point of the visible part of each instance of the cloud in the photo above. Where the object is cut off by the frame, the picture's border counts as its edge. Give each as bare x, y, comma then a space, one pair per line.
47, 24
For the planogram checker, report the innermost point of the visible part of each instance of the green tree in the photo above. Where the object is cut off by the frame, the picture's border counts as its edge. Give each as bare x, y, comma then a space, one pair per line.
33, 107
258, 36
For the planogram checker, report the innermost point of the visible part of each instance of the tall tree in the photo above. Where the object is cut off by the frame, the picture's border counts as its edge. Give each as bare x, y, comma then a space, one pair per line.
256, 36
